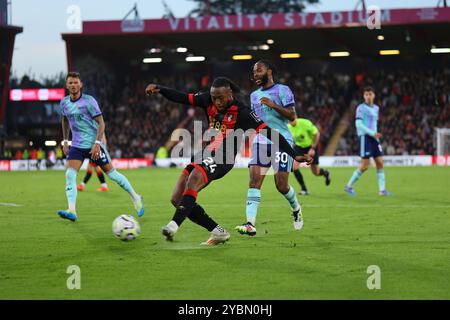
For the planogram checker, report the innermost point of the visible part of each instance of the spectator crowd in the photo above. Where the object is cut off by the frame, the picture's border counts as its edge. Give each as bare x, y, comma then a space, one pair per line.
412, 103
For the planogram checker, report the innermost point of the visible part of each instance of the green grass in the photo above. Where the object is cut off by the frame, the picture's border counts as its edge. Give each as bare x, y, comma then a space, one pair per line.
407, 236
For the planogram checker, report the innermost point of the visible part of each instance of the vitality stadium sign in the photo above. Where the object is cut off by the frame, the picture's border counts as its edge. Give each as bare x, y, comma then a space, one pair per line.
268, 21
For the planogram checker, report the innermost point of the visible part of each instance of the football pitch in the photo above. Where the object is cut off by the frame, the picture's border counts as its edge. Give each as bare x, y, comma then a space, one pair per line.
407, 236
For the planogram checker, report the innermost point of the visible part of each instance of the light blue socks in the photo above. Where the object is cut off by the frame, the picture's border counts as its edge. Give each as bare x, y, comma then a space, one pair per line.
253, 201
381, 180
71, 188
122, 181
291, 197
356, 174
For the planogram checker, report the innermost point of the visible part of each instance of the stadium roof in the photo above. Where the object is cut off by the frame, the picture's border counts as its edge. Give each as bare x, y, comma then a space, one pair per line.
411, 31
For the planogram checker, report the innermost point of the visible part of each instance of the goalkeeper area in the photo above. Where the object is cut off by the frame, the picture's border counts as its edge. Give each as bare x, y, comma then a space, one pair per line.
406, 236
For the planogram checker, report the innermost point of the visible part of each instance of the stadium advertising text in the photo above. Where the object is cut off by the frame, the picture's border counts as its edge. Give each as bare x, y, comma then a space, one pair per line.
266, 20
371, 18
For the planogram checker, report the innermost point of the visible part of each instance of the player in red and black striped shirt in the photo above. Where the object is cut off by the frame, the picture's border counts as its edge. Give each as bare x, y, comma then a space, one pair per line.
225, 115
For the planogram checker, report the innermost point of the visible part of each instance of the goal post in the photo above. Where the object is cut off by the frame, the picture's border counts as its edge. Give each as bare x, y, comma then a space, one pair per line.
442, 138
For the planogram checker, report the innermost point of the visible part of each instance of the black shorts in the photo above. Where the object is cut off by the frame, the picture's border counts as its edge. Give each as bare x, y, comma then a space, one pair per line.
209, 169
301, 151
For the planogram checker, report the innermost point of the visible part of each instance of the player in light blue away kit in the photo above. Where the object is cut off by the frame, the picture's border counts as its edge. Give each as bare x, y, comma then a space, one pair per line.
274, 104
83, 114
367, 114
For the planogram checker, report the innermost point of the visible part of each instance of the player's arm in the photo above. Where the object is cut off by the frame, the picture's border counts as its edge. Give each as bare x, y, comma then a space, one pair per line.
362, 127
287, 112
287, 107
283, 145
95, 151
315, 140
366, 130
249, 120
96, 114
66, 131
195, 100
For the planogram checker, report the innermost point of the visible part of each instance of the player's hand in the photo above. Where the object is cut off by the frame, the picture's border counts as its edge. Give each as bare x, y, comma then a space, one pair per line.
311, 152
66, 148
151, 89
95, 152
267, 102
378, 135
305, 158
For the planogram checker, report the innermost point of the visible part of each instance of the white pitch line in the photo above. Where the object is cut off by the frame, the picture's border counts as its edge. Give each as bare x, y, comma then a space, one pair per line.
303, 205
10, 204
377, 206
266, 205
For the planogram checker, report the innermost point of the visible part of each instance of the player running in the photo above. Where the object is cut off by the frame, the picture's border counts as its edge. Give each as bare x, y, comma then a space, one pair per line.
274, 104
367, 114
83, 114
306, 138
225, 115
101, 177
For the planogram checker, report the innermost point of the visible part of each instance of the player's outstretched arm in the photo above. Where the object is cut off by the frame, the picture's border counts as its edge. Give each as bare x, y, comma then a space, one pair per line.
283, 145
168, 93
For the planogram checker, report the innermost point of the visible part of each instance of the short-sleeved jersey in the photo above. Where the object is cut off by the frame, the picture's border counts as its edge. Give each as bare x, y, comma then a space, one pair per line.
303, 132
282, 96
236, 116
369, 116
81, 114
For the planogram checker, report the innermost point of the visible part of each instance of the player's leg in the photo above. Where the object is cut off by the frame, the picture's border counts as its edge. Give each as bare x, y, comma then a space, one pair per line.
365, 154
258, 166
88, 175
194, 183
299, 177
282, 184
187, 202
318, 171
197, 213
123, 182
257, 175
381, 177
74, 161
198, 178
101, 178
104, 161
180, 187
365, 163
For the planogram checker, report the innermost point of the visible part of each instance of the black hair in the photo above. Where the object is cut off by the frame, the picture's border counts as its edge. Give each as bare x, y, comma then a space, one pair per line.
220, 82
269, 65
368, 88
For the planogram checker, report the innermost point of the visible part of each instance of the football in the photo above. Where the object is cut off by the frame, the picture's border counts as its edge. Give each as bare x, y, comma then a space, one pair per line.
126, 227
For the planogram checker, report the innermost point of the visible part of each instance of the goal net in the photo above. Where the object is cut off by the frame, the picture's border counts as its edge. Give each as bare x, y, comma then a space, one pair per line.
442, 138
